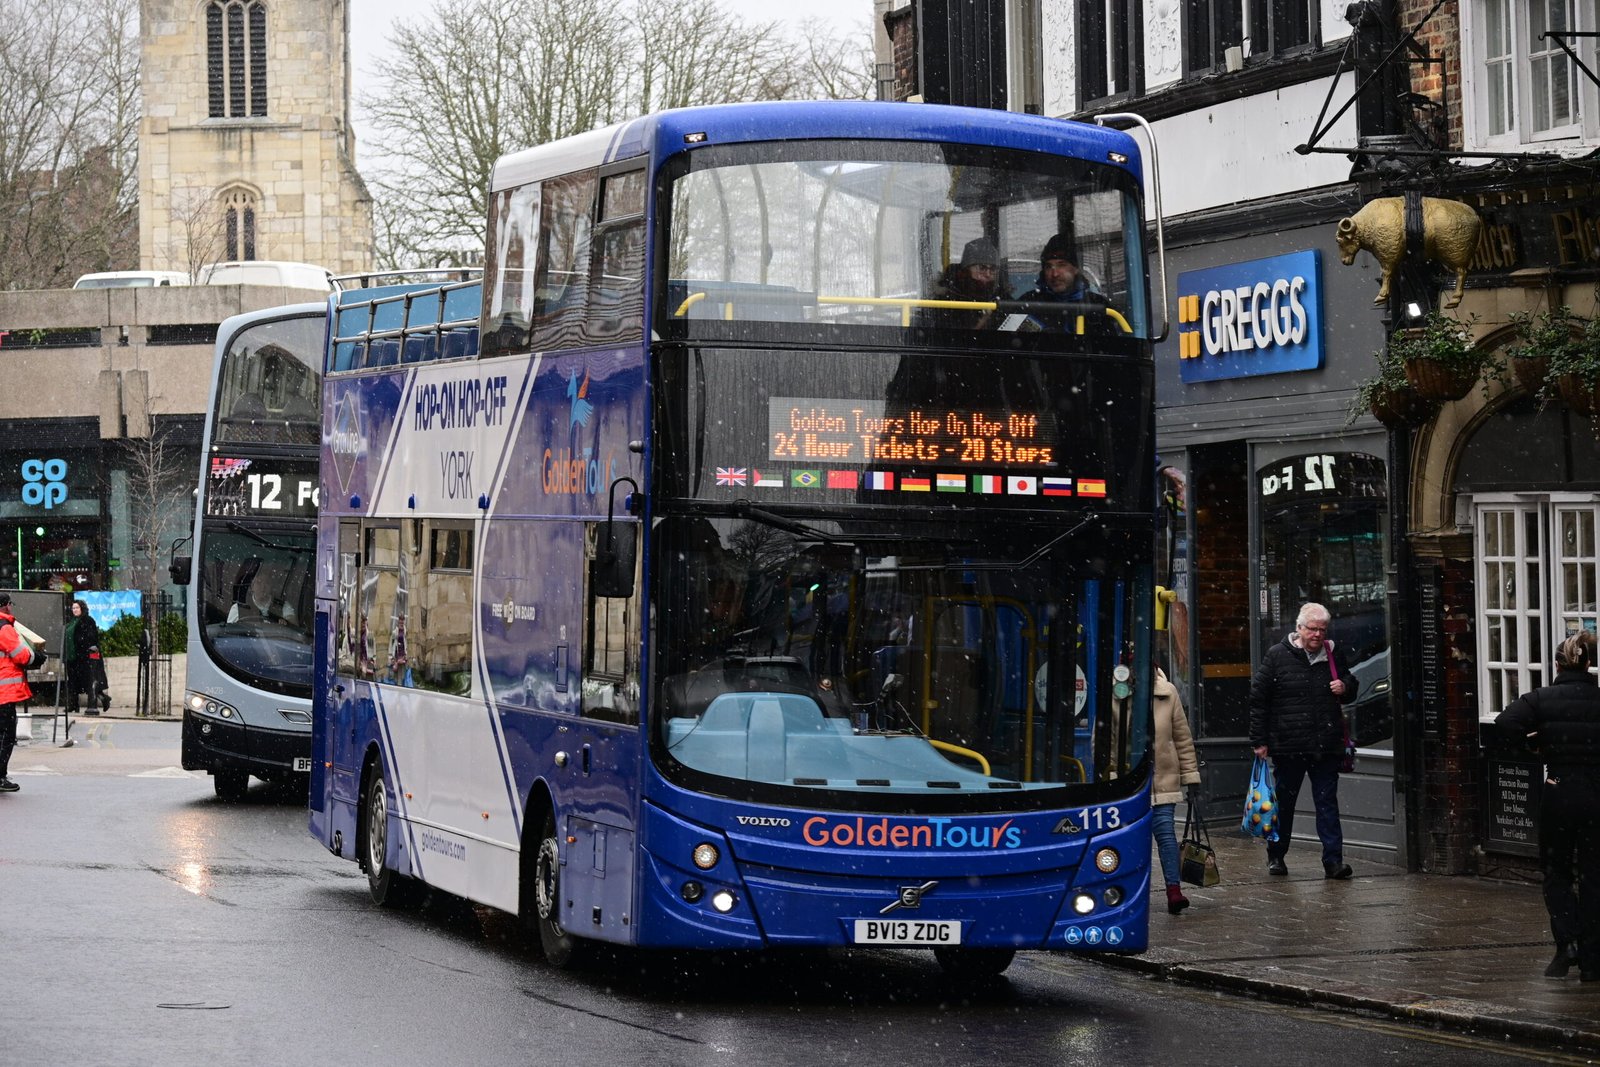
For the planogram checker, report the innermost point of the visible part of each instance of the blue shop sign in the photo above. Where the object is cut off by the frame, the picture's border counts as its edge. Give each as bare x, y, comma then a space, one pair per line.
1244, 319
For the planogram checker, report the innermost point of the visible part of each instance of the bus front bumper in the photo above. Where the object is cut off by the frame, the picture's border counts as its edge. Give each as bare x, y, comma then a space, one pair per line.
212, 744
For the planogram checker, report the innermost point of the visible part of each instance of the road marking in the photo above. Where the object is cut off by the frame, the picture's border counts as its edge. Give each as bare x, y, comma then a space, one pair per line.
164, 772
38, 771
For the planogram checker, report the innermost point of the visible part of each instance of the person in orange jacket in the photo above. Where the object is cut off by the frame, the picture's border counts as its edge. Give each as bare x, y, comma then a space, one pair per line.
15, 655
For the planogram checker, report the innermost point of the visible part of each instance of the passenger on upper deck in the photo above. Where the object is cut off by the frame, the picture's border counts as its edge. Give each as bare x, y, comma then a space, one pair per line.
975, 278
1061, 282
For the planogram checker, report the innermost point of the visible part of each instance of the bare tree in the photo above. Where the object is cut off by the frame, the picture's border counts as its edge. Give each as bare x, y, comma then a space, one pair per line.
161, 477
198, 226
478, 79
68, 129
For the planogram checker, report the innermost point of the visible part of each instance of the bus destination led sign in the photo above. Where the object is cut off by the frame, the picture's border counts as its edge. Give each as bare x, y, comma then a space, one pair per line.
861, 432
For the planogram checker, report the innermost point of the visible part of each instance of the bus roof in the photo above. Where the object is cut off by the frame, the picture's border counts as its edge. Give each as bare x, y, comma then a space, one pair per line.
664, 133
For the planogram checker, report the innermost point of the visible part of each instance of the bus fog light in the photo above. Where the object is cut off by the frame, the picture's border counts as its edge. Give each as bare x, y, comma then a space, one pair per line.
205, 728
722, 900
1083, 903
1112, 896
1107, 860
706, 855
692, 892
227, 712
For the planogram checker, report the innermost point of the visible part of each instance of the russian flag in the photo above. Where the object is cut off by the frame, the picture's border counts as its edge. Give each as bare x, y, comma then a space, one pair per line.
1056, 486
880, 480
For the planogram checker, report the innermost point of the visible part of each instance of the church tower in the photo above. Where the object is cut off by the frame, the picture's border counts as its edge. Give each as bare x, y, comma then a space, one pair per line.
245, 148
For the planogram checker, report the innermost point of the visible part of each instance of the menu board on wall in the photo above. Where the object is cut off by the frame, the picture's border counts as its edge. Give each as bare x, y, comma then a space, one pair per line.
1430, 651
1513, 809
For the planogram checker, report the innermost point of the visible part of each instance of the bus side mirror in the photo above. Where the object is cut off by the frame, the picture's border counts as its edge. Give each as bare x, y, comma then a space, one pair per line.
179, 569
616, 551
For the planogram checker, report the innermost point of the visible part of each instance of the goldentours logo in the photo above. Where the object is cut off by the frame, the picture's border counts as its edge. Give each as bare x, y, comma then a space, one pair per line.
827, 832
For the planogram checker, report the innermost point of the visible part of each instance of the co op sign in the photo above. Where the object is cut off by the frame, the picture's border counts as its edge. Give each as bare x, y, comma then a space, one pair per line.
1259, 317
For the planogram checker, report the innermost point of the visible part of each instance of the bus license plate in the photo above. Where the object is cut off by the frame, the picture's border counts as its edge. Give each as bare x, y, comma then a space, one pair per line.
908, 932
302, 763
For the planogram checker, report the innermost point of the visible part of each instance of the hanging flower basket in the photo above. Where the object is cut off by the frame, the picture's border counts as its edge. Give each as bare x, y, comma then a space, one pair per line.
1530, 370
1579, 395
1435, 379
1401, 406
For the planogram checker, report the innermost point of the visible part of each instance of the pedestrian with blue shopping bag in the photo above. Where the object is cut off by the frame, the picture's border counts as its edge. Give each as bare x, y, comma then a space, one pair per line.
1297, 699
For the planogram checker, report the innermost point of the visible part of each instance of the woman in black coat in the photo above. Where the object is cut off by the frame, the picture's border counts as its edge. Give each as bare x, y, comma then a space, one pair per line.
1561, 722
83, 672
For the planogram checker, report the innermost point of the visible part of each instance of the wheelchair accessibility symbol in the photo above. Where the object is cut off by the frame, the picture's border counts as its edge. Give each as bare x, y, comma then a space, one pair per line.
1074, 935
1113, 935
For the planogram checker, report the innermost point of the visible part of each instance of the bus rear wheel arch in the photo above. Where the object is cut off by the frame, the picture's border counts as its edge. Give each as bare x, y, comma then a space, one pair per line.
389, 888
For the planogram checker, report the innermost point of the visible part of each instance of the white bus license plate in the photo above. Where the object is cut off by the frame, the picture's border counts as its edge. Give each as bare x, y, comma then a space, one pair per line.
908, 932
302, 763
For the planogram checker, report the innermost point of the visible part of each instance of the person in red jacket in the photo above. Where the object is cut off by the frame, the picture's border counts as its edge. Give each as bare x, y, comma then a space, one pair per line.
15, 655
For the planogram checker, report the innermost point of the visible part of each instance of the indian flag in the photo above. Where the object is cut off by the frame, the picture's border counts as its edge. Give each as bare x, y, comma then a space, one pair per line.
988, 483
1091, 487
880, 480
914, 485
951, 483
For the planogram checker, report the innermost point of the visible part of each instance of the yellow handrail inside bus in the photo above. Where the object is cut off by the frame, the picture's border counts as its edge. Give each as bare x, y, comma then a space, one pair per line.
683, 308
1116, 316
976, 757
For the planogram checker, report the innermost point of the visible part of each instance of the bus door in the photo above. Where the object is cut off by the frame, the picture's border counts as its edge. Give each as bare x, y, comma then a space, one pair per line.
601, 790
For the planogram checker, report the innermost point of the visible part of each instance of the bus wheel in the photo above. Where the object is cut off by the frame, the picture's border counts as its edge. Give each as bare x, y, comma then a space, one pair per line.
959, 962
560, 948
389, 888
231, 783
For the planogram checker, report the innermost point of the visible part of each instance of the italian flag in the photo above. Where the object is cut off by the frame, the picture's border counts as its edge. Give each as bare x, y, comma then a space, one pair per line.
988, 483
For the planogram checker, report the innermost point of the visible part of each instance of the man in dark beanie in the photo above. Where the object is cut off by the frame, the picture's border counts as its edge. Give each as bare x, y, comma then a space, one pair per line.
15, 655
975, 279
1060, 282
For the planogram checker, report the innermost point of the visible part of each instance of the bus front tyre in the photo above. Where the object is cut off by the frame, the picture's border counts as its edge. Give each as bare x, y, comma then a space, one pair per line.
230, 783
561, 949
388, 887
961, 962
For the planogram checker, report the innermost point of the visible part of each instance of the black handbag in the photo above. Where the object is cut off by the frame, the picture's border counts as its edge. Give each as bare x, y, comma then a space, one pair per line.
1198, 860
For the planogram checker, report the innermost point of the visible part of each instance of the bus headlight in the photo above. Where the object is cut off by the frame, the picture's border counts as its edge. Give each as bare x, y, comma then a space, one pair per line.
1112, 896
706, 855
1107, 861
1083, 903
722, 900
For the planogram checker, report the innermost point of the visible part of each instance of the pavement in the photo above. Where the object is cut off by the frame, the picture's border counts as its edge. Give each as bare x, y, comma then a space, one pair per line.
1456, 952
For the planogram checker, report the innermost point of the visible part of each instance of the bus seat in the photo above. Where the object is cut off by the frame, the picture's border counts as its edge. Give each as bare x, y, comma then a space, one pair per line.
384, 353
419, 349
458, 343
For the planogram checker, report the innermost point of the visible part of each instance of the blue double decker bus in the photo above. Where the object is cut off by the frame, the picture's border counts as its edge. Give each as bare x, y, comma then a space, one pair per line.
733, 584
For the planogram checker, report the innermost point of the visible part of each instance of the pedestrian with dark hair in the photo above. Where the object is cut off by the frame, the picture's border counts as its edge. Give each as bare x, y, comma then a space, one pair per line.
80, 652
1297, 699
15, 655
1561, 722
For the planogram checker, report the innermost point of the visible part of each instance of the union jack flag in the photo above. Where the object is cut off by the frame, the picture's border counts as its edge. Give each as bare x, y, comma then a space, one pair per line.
733, 476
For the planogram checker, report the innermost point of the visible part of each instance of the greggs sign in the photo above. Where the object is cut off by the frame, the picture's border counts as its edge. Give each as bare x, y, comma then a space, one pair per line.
1245, 319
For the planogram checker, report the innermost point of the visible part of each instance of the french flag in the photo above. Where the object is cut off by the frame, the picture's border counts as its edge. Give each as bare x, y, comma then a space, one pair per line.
880, 480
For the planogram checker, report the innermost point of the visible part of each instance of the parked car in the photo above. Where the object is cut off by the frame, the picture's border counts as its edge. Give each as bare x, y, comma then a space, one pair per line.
268, 272
131, 279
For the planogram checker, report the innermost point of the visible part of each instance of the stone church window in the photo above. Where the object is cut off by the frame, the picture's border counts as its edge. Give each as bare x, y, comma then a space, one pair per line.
239, 224
236, 58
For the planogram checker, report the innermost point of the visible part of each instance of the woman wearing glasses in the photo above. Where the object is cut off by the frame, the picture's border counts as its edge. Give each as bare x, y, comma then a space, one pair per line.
1297, 720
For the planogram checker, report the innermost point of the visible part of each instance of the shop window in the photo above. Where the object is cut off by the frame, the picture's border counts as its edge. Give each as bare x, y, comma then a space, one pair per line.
1537, 574
1523, 88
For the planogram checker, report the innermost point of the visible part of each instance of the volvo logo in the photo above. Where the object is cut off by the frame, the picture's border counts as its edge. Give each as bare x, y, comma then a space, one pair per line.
761, 820
910, 896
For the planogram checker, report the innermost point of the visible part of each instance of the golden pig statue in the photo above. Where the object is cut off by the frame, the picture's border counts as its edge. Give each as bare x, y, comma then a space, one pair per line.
1449, 237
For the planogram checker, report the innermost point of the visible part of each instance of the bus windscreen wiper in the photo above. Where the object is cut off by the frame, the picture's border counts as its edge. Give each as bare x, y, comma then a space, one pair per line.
1002, 565
245, 531
745, 510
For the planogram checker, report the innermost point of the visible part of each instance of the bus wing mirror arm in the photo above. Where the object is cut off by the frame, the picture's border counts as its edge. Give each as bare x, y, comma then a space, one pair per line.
612, 569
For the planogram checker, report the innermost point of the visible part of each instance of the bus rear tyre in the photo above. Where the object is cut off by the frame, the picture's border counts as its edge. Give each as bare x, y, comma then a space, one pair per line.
231, 784
561, 950
961, 962
388, 887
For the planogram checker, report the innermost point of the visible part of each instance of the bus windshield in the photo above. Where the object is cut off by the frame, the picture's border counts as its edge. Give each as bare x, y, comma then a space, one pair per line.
805, 656
269, 387
254, 601
886, 236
